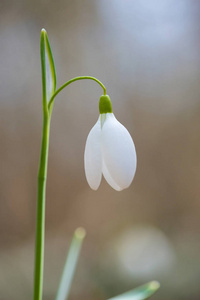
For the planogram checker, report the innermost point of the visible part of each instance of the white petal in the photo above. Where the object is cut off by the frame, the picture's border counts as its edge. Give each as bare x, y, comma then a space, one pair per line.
92, 156
118, 152
109, 179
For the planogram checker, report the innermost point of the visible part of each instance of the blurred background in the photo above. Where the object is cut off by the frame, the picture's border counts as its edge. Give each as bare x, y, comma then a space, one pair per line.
147, 53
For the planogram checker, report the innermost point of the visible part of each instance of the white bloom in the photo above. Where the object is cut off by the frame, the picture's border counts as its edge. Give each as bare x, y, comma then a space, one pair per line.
109, 150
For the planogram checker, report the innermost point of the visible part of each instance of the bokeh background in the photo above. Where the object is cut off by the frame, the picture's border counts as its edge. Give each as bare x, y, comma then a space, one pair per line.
147, 53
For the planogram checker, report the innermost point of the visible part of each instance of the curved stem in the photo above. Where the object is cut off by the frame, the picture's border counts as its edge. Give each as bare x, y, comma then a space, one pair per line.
69, 82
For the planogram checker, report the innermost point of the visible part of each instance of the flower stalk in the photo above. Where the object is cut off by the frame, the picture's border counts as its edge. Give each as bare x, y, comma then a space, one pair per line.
49, 94
50, 104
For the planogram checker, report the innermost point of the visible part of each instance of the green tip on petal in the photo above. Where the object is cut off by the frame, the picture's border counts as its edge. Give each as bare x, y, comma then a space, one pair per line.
105, 105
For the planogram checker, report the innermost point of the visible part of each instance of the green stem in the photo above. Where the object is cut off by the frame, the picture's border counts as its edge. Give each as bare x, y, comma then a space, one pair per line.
40, 226
69, 82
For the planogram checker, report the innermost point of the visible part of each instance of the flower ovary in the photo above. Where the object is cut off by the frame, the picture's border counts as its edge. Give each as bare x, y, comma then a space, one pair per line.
105, 105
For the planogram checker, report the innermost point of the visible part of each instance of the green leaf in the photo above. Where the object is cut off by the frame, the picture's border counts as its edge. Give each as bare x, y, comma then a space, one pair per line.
140, 293
70, 265
48, 69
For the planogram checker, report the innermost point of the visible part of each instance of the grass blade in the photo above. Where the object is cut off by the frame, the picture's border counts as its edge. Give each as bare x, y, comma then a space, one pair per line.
70, 265
140, 293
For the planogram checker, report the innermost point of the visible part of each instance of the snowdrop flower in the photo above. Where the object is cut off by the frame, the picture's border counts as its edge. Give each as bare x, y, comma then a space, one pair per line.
109, 151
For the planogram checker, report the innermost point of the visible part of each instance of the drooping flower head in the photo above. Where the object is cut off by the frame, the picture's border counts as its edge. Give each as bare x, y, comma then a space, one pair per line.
109, 151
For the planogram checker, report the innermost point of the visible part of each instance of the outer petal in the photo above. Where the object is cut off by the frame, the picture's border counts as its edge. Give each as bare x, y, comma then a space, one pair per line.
118, 152
109, 179
92, 157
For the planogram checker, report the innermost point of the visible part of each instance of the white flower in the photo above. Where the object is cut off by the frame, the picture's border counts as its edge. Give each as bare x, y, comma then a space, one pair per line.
109, 151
